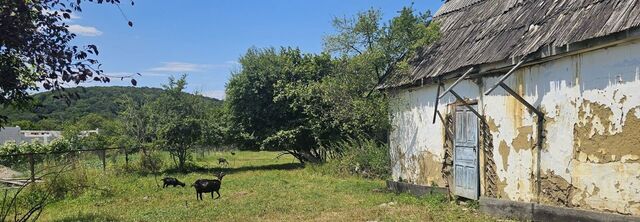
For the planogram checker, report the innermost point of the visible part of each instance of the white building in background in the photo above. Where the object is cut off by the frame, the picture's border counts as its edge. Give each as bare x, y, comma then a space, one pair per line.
17, 135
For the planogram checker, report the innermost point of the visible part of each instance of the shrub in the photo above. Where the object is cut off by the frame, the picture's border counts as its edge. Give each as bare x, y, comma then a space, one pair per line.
150, 162
361, 156
69, 184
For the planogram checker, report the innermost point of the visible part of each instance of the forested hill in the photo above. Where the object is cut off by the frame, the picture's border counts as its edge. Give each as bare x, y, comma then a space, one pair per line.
92, 100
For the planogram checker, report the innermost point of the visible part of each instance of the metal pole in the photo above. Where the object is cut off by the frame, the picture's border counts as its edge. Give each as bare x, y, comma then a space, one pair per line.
456, 82
522, 100
435, 106
32, 167
126, 158
467, 105
104, 158
505, 77
539, 131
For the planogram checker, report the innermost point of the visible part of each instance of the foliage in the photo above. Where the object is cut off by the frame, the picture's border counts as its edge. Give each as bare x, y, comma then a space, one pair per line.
70, 183
177, 120
361, 156
303, 103
150, 162
384, 47
50, 113
36, 48
255, 107
11, 148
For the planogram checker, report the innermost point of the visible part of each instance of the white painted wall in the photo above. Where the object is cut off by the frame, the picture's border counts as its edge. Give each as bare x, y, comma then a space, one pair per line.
559, 87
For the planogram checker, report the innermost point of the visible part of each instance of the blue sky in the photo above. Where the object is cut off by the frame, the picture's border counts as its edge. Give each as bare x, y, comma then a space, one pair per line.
205, 38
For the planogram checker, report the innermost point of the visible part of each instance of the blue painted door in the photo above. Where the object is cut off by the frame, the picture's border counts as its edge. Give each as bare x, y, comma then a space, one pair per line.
465, 154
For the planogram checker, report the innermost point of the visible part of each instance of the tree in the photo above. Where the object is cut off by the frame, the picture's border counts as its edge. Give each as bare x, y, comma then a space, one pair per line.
304, 103
177, 120
36, 50
135, 119
264, 119
385, 47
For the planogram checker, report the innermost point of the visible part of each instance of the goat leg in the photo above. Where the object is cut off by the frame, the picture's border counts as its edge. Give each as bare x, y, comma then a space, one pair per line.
217, 193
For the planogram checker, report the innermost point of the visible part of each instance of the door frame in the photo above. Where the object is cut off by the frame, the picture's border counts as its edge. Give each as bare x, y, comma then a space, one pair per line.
454, 110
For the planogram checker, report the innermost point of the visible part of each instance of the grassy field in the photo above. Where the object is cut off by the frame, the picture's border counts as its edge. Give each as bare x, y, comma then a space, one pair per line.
257, 188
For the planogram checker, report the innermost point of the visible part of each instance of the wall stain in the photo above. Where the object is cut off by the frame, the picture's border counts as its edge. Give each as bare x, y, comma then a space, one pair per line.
524, 140
430, 173
504, 150
591, 145
493, 127
501, 185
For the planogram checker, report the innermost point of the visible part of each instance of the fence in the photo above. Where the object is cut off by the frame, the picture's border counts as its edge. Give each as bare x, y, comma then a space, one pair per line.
32, 162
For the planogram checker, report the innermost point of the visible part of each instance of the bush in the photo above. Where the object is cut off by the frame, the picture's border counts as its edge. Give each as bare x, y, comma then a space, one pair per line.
151, 162
361, 156
69, 184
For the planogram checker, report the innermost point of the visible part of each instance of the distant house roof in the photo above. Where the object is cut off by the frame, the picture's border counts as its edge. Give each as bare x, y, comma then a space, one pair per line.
475, 32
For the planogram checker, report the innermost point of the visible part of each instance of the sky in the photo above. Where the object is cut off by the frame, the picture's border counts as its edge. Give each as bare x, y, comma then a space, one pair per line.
205, 38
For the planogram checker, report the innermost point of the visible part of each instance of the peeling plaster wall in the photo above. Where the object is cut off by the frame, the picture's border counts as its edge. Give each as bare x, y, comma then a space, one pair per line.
591, 153
416, 144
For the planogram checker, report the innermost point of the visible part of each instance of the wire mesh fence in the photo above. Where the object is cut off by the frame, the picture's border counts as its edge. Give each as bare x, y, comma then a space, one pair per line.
35, 163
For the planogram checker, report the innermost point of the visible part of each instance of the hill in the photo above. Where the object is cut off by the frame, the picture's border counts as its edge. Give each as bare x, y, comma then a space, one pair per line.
92, 100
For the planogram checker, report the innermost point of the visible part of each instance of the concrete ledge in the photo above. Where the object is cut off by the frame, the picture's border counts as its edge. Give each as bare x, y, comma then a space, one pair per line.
418, 190
538, 212
506, 209
553, 213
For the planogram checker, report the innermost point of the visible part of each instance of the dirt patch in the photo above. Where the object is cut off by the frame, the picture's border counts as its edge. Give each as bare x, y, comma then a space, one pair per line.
555, 190
597, 145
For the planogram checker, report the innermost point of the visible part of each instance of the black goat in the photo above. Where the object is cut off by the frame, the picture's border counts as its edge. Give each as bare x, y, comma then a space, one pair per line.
170, 181
208, 186
223, 161
233, 153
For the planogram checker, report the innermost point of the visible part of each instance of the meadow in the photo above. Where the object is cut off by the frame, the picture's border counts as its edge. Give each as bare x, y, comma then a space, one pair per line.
258, 187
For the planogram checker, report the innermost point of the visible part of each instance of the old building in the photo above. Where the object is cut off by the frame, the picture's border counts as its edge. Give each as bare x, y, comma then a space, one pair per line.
568, 133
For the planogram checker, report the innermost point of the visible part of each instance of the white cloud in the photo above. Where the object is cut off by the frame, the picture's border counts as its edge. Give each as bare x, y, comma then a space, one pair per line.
218, 94
232, 62
180, 67
85, 30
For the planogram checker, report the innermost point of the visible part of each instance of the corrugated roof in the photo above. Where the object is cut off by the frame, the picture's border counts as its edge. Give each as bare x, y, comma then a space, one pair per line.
477, 32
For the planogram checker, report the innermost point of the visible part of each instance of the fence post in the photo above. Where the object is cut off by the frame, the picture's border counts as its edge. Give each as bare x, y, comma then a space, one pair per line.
126, 158
32, 167
104, 158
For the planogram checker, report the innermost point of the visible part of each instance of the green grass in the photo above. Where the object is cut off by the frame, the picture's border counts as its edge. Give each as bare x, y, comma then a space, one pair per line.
256, 188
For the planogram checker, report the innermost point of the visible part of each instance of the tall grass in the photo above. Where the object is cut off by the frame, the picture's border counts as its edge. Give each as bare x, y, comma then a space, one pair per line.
360, 156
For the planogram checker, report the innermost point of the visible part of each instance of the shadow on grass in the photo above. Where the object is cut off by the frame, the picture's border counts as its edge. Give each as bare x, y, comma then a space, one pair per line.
231, 170
87, 217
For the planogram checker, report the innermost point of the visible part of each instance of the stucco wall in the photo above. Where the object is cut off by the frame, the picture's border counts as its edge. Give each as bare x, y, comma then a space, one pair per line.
591, 153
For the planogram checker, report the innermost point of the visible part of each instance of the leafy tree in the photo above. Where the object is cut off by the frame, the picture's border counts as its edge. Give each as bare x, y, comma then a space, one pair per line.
266, 121
135, 119
36, 49
304, 103
385, 47
177, 120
